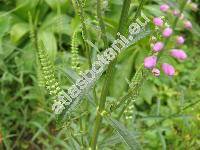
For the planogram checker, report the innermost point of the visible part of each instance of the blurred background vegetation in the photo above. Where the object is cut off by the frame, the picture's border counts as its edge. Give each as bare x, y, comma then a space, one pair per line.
166, 115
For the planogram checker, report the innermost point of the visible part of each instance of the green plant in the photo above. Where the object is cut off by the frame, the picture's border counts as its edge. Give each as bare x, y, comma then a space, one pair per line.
46, 45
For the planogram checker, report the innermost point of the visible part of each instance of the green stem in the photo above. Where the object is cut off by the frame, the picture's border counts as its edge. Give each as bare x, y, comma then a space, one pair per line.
133, 69
174, 24
123, 109
85, 37
84, 31
102, 26
101, 23
102, 103
108, 76
59, 34
124, 16
138, 10
81, 129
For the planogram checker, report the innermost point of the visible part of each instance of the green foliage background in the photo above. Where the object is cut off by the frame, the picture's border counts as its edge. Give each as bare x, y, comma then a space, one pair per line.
166, 115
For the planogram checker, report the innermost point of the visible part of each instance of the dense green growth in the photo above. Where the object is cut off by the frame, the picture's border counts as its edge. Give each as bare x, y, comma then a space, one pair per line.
45, 45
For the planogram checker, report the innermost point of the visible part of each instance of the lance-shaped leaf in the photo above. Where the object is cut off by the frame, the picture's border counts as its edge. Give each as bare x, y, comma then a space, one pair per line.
125, 134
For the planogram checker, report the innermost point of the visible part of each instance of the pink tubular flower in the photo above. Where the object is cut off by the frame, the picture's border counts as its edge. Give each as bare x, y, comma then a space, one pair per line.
168, 69
176, 12
180, 40
167, 32
156, 72
188, 25
164, 7
150, 62
158, 47
158, 21
179, 54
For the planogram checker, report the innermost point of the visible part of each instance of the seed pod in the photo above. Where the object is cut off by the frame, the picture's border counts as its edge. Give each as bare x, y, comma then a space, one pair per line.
74, 53
48, 72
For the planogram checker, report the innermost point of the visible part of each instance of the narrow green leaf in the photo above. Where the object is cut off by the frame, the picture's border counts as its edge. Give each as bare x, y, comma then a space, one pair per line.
128, 138
18, 31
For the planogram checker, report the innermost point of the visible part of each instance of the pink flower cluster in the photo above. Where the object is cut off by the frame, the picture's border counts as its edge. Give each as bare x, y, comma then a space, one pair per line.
164, 7
150, 62
187, 24
180, 40
167, 32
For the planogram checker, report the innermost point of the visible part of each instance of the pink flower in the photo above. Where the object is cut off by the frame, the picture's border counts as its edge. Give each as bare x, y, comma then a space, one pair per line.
179, 54
158, 47
156, 72
158, 21
180, 40
167, 32
164, 7
168, 69
150, 62
188, 25
176, 12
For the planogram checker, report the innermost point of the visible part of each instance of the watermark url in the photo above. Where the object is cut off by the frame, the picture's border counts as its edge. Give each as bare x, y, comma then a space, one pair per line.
68, 100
